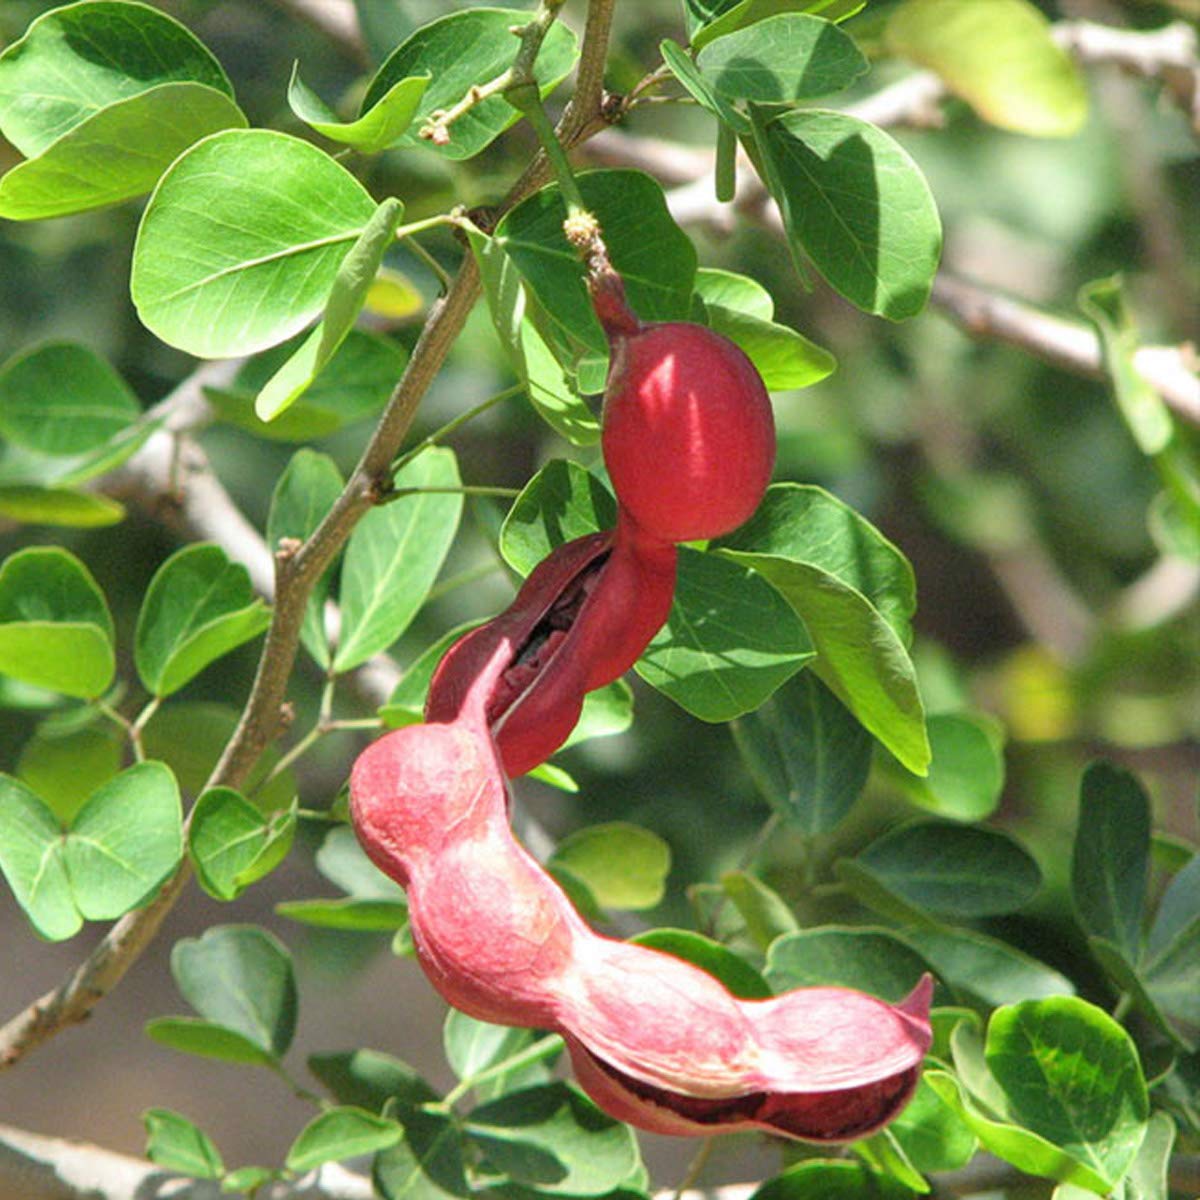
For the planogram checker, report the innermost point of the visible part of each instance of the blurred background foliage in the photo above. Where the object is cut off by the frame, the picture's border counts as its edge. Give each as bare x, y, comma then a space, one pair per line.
1044, 595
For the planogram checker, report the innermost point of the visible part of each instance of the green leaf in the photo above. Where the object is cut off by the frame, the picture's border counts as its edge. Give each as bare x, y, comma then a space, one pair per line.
475, 1049
347, 913
781, 60
764, 911
342, 1132
305, 493
1171, 966
954, 870
729, 641
1071, 1074
248, 1180
177, 1144
1148, 1177
932, 1134
733, 292
561, 502
116, 154
806, 754
1025, 1150
208, 1039
623, 866
807, 524
63, 399
124, 842
984, 968
59, 506
966, 775
394, 556
379, 127
427, 1164
241, 241
354, 384
829, 1179
554, 1139
1110, 861
784, 358
855, 205
700, 88
199, 606
998, 55
55, 628
239, 977
33, 862
655, 258
232, 845
606, 711
460, 51
79, 58
370, 1079
550, 390
859, 656
347, 295
64, 766
738, 976
871, 960
726, 16
1144, 410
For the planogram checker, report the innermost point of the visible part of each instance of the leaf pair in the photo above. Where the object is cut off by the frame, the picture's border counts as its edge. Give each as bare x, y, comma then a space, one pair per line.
101, 97
1057, 1090
1159, 969
101, 864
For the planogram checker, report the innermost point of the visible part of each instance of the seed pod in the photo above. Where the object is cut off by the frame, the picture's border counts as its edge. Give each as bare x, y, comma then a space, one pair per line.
688, 432
580, 620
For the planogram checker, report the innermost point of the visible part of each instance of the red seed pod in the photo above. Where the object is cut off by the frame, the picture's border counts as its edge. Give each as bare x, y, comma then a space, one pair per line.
689, 436
580, 620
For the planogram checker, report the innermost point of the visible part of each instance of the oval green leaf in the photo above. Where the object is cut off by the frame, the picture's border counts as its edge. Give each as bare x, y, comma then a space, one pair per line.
624, 866
241, 241
118, 153
338, 1133
380, 126
174, 1142
55, 628
855, 205
781, 60
394, 556
239, 977
808, 757
871, 960
32, 860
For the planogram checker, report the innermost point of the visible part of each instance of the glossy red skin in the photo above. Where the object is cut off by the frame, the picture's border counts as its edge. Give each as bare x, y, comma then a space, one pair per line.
689, 435
655, 1040
627, 604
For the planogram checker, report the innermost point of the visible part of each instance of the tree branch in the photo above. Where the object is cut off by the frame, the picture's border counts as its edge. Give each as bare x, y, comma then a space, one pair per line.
295, 577
33, 1167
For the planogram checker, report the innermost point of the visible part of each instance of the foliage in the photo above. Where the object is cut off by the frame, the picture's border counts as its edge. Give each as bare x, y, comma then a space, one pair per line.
897, 789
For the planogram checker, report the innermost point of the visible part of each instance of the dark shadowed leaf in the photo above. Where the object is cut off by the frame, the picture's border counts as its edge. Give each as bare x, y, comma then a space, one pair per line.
806, 754
871, 960
855, 205
738, 976
1110, 861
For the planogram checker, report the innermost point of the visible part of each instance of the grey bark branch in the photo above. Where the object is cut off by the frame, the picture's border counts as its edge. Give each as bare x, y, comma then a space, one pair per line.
34, 1167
